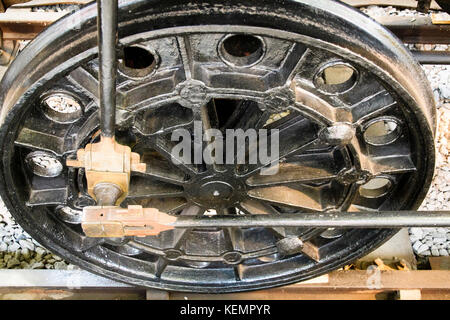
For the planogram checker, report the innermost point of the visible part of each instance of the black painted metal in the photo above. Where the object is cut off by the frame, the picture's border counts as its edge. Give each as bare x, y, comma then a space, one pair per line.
419, 30
107, 42
444, 4
187, 77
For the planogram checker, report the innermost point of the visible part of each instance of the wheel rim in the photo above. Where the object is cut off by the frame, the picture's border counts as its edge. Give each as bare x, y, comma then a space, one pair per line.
316, 161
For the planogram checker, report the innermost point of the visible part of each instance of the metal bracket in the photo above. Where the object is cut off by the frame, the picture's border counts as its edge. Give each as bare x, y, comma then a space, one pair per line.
119, 222
107, 163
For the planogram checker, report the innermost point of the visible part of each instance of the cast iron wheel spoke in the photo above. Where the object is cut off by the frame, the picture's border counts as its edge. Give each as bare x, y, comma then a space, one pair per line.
253, 206
235, 239
160, 265
141, 188
378, 163
317, 108
293, 62
246, 115
48, 196
162, 121
207, 115
295, 135
38, 140
85, 81
161, 170
311, 102
36, 134
185, 54
372, 106
164, 147
300, 198
307, 168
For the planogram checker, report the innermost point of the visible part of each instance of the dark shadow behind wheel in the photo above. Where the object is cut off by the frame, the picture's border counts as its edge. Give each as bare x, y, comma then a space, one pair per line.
444, 4
72, 41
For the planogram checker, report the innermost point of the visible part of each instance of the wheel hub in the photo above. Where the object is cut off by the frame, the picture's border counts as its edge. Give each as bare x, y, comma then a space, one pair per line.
215, 192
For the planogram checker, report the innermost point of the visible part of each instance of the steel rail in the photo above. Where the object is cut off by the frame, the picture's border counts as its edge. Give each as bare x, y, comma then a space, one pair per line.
366, 219
107, 43
432, 57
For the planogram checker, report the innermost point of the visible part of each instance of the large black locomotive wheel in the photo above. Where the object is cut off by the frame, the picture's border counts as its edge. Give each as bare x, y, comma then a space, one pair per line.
354, 111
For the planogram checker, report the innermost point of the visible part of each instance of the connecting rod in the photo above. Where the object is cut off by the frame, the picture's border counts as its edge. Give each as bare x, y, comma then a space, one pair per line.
107, 43
138, 221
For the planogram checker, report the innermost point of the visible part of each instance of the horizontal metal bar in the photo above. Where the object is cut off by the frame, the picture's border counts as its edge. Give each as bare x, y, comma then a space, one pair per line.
367, 219
432, 57
417, 29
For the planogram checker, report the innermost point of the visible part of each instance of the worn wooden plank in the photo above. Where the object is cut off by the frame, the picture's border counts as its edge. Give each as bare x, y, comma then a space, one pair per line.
351, 284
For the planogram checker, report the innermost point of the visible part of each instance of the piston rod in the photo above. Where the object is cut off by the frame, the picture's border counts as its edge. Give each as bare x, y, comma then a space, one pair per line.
135, 220
107, 43
367, 219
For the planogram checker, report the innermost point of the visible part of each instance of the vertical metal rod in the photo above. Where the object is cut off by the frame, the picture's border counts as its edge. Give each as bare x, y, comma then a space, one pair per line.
107, 43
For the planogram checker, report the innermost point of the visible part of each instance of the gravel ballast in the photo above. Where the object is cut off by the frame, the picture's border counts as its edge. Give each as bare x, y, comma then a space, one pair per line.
19, 251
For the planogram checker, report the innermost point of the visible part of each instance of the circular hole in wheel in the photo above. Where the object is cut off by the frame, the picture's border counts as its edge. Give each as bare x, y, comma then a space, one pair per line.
137, 62
241, 50
336, 78
375, 188
44, 164
381, 132
61, 107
